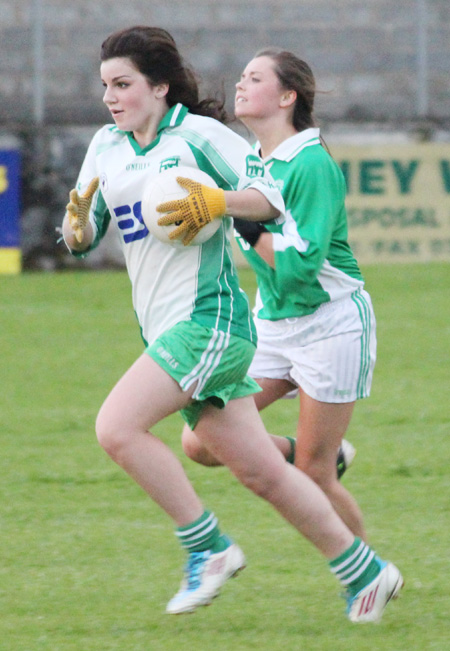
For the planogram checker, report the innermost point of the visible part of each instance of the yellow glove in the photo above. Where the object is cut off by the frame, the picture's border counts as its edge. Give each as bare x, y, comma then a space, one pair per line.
198, 208
78, 208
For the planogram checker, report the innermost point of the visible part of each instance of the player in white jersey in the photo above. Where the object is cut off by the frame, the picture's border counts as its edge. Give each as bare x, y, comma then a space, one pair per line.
315, 322
194, 318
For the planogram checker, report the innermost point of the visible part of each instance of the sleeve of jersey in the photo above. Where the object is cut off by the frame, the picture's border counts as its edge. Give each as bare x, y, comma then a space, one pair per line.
99, 216
302, 246
236, 166
255, 175
266, 185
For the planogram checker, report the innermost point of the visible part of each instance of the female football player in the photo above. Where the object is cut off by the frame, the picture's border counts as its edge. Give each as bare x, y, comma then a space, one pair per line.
314, 319
195, 320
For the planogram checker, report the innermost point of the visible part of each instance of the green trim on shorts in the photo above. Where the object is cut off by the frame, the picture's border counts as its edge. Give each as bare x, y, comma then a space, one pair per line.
213, 361
365, 364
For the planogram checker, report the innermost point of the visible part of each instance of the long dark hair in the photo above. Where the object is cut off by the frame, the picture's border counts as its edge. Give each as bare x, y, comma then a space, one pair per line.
155, 54
295, 74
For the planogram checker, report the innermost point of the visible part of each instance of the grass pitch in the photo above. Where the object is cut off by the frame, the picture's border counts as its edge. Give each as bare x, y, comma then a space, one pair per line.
88, 562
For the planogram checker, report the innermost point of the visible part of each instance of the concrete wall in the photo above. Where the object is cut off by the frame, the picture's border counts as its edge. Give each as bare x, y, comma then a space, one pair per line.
364, 52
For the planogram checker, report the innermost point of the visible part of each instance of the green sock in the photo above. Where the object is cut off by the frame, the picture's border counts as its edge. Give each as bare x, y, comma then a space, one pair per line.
202, 534
357, 566
291, 457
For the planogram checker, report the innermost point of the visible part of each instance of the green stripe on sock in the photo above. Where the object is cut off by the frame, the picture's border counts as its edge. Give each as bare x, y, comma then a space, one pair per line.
357, 566
201, 534
343, 558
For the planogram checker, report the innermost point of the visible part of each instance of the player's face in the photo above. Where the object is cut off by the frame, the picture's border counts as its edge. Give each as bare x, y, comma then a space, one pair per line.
131, 99
258, 92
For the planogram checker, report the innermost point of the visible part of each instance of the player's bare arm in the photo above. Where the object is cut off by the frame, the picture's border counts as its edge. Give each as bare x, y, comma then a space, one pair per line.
250, 204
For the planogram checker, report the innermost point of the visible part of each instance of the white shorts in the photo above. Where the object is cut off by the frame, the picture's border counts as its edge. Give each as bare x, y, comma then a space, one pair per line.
330, 354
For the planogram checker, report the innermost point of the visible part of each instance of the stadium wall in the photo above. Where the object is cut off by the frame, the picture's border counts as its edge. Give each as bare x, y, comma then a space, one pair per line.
370, 55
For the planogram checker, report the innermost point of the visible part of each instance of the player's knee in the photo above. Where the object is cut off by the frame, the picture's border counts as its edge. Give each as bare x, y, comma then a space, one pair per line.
195, 450
109, 436
323, 474
191, 445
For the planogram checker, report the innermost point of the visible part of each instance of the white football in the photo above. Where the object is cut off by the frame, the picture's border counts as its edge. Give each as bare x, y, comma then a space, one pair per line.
164, 187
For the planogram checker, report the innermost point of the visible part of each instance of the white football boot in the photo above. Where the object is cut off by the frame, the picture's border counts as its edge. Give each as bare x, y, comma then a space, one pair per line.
369, 603
205, 574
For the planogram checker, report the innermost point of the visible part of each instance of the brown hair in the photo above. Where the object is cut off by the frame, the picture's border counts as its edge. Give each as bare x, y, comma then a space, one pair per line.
294, 74
155, 54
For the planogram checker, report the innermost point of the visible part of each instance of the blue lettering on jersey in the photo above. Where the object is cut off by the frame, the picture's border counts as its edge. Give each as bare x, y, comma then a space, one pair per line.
130, 219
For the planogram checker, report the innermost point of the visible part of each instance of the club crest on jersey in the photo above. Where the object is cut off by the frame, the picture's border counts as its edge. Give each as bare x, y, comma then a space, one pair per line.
255, 166
165, 164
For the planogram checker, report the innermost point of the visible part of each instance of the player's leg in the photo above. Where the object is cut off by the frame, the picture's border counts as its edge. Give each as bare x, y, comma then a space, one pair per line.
272, 390
321, 427
143, 396
275, 389
254, 460
333, 371
370, 582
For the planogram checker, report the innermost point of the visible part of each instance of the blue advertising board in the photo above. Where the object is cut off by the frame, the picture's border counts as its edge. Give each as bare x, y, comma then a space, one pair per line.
10, 257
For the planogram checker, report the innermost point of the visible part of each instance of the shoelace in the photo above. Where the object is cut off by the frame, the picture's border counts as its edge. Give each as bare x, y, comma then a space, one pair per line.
194, 569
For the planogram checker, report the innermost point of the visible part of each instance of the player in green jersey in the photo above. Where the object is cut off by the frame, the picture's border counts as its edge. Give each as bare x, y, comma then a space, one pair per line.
315, 322
196, 322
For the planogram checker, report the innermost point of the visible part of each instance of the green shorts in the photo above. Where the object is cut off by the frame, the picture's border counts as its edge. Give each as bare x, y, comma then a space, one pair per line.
212, 360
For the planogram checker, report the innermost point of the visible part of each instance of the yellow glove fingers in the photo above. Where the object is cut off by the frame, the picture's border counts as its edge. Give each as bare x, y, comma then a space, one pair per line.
73, 196
78, 208
188, 184
171, 206
205, 203
178, 232
91, 189
84, 203
72, 210
198, 208
177, 204
187, 239
173, 218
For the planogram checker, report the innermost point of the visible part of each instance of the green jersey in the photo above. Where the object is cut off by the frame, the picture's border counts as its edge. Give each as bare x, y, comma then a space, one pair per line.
313, 260
171, 284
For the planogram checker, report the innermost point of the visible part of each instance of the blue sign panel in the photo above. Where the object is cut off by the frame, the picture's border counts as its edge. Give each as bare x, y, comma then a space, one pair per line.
9, 198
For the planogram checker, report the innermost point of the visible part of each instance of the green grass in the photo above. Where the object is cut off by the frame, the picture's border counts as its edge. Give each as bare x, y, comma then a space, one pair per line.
88, 562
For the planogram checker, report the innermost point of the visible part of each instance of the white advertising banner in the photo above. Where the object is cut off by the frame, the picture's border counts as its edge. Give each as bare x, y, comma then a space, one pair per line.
398, 201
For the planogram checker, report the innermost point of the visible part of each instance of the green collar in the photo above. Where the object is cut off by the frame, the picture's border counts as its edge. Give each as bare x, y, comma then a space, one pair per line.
290, 147
173, 118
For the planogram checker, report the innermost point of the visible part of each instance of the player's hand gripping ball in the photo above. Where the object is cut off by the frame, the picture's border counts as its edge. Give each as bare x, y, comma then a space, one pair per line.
78, 208
180, 206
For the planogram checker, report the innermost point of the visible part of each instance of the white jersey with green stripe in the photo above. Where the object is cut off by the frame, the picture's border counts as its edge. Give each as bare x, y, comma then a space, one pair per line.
314, 263
172, 284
